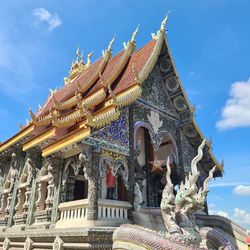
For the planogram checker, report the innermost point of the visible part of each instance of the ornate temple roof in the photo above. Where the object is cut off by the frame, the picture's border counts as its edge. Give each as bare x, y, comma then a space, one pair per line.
92, 97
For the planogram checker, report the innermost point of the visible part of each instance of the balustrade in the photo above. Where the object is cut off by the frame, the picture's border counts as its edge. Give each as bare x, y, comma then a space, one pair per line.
110, 212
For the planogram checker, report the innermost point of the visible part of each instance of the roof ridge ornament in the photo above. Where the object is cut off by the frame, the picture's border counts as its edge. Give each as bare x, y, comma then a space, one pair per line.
110, 47
32, 116
135, 34
163, 23
132, 40
162, 28
88, 59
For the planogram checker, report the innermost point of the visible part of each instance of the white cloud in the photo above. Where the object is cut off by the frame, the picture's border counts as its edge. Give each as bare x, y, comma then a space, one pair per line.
241, 216
218, 212
44, 15
236, 112
242, 190
222, 213
226, 184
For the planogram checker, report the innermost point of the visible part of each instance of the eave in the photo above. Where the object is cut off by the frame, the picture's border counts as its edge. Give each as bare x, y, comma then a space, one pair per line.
19, 136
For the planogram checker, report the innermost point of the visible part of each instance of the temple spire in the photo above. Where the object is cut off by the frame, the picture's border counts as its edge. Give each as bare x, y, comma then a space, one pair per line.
88, 59
163, 23
134, 34
111, 44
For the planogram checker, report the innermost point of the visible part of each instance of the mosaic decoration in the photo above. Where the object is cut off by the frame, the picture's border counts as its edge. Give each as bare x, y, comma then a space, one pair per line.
189, 130
154, 91
165, 65
180, 103
171, 83
116, 132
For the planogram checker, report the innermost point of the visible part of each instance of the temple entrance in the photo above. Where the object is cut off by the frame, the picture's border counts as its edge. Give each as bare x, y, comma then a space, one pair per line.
76, 186
152, 160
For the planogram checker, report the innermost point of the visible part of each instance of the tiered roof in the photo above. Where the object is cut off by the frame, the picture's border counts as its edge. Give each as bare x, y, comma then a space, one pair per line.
91, 97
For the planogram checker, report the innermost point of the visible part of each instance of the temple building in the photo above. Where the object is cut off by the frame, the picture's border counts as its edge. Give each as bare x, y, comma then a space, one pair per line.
99, 154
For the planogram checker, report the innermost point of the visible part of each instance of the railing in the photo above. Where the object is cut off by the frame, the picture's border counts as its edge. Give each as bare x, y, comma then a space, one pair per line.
73, 210
110, 212
113, 210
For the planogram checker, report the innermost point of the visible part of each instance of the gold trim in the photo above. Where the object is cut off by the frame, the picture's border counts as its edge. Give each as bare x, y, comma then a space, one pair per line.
129, 95
219, 166
143, 75
73, 137
103, 117
38, 139
17, 137
95, 98
129, 48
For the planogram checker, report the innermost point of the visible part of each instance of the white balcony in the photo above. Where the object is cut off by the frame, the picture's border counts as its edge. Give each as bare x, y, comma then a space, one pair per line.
110, 213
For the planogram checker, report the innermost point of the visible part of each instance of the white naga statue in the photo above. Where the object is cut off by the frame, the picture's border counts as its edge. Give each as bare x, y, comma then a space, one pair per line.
178, 210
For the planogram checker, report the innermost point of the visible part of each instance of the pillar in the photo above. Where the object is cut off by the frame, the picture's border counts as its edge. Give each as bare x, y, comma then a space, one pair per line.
91, 171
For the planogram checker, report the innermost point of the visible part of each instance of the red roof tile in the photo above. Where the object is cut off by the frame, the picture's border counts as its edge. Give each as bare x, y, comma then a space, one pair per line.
124, 80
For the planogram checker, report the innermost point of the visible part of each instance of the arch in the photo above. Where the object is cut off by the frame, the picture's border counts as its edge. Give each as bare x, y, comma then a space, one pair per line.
152, 150
160, 135
74, 183
117, 170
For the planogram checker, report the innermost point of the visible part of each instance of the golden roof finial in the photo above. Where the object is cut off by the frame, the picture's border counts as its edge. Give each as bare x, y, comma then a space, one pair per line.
77, 54
134, 34
111, 44
81, 57
53, 91
164, 21
32, 116
89, 57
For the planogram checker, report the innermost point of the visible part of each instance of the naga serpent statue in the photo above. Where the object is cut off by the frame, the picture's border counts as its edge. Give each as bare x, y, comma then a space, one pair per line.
178, 215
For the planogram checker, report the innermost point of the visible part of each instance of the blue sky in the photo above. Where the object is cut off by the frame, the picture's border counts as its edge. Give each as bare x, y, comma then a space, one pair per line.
209, 41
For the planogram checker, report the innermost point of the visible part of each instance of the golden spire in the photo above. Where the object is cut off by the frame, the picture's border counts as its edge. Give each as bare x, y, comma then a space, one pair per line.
77, 54
89, 57
109, 47
53, 91
32, 116
111, 44
164, 21
134, 34
81, 57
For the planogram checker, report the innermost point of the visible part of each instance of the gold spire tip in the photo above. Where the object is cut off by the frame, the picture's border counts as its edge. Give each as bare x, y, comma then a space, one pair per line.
111, 43
164, 21
135, 33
